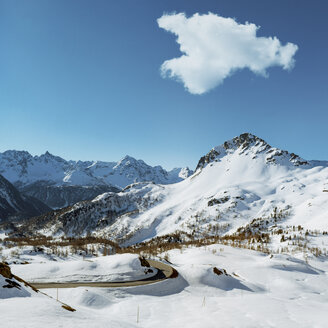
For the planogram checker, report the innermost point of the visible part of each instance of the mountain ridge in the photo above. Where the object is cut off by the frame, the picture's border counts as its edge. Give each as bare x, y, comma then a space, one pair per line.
14, 166
59, 182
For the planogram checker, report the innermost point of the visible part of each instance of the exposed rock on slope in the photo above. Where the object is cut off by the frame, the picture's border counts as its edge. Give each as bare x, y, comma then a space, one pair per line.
250, 145
88, 216
11, 285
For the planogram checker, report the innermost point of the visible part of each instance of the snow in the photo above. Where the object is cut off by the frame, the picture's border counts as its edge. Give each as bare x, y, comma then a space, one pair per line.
254, 189
259, 291
125, 267
234, 184
6, 293
23, 169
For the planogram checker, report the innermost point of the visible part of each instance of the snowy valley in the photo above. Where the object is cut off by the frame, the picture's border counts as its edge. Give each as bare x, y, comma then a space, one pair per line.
246, 232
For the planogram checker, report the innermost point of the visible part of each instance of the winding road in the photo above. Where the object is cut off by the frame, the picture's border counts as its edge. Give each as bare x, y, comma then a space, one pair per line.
164, 271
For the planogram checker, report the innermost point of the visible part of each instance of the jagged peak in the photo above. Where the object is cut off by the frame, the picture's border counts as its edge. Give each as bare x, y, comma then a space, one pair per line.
246, 144
48, 156
244, 141
128, 158
131, 161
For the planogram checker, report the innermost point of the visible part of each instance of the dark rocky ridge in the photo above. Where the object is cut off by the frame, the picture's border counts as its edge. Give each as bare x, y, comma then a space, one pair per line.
15, 206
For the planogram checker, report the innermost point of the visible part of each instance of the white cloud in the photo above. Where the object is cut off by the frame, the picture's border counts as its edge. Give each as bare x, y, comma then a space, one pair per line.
215, 47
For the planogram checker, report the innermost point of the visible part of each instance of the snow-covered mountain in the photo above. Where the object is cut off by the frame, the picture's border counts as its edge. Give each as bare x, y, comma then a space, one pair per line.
15, 205
243, 182
59, 183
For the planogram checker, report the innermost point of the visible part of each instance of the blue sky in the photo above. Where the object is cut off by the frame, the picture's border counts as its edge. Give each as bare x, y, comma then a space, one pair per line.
81, 79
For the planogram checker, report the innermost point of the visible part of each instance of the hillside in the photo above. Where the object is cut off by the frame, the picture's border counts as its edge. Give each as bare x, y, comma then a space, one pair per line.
14, 205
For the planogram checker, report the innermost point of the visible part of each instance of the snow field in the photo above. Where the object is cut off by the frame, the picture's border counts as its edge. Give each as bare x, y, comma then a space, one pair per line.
259, 291
124, 267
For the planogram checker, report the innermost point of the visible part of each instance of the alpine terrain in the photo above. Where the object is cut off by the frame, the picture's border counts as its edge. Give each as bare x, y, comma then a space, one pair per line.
241, 187
244, 240
59, 183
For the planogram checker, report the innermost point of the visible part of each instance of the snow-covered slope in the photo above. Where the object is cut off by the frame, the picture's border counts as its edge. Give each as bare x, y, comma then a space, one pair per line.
59, 183
257, 290
11, 285
242, 181
120, 267
15, 205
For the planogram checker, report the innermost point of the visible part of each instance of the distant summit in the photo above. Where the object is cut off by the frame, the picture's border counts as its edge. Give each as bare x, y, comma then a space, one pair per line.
251, 145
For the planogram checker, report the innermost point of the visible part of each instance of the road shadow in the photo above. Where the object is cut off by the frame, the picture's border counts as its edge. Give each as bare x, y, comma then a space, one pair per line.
166, 287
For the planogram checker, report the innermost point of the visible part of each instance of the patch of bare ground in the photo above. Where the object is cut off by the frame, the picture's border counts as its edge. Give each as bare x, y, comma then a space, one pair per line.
220, 272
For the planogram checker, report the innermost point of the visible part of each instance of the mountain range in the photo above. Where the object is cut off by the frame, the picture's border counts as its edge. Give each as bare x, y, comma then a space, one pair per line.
58, 182
242, 183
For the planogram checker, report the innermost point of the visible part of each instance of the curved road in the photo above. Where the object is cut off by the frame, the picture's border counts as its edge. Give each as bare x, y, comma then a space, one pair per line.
164, 271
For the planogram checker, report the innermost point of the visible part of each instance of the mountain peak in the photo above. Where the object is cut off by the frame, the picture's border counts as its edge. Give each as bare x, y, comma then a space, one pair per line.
245, 141
50, 157
47, 154
250, 145
127, 160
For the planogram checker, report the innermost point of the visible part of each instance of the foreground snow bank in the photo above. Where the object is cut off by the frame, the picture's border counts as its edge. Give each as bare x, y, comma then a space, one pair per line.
12, 286
124, 267
253, 290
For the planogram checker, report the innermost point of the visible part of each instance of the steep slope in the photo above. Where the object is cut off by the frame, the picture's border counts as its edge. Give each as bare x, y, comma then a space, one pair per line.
59, 183
15, 205
244, 181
